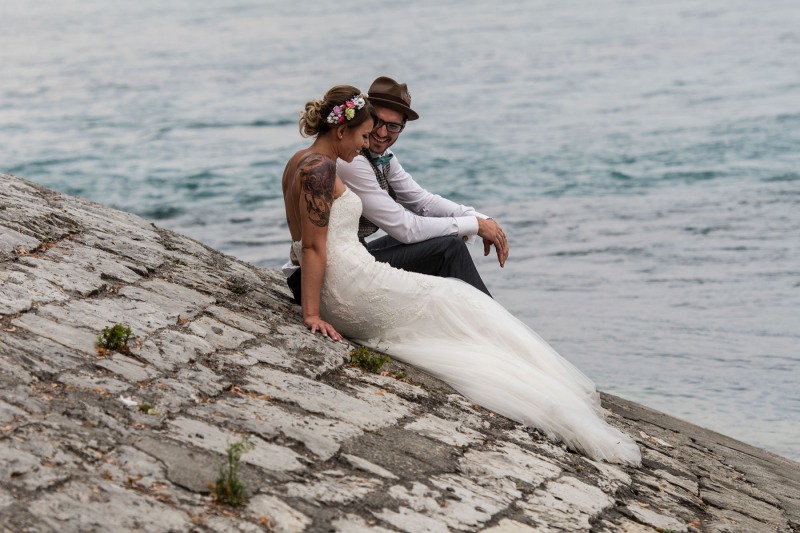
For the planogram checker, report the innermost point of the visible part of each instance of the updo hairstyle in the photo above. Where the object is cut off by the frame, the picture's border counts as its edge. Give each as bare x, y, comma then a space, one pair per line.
313, 121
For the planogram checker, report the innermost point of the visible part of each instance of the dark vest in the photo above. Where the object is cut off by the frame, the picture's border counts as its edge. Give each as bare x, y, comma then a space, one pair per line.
365, 226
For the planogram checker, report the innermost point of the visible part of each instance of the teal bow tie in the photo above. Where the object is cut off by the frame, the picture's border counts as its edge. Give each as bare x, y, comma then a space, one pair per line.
382, 160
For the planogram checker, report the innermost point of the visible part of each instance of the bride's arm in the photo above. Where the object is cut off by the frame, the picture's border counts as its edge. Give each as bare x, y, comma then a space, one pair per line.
318, 178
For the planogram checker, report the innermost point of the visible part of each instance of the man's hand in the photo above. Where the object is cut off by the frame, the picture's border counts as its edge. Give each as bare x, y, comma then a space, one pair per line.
491, 234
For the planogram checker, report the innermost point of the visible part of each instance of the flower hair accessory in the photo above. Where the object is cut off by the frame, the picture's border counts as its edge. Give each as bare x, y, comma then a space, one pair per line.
346, 111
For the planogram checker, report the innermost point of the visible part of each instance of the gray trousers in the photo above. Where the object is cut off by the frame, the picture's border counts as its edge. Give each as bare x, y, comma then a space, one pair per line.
447, 257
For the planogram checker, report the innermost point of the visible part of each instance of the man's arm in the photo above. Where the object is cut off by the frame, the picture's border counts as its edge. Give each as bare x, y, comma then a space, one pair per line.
425, 203
405, 225
427, 215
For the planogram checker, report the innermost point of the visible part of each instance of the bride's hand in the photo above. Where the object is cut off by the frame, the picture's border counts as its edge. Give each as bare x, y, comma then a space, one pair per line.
315, 323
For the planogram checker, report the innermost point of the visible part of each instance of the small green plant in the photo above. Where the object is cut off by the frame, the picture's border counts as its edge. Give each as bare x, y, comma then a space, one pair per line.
367, 359
115, 338
229, 489
148, 409
400, 375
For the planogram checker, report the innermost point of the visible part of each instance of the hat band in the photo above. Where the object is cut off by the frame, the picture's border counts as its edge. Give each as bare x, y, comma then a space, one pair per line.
390, 97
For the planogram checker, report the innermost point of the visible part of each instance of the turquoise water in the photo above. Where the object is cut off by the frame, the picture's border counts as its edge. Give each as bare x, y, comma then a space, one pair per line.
642, 158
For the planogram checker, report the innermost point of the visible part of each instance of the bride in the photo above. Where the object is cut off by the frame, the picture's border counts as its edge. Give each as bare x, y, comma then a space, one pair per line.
441, 325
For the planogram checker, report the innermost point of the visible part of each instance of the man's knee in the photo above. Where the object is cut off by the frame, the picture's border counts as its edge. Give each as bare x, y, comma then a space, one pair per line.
454, 246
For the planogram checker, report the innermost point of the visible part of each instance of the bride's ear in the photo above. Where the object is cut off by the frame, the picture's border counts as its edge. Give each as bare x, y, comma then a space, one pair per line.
340, 132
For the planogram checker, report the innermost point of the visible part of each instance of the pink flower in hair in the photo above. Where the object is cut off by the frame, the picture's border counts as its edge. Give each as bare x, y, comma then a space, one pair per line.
346, 111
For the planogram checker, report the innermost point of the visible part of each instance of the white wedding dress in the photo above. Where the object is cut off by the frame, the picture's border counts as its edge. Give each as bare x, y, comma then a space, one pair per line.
460, 335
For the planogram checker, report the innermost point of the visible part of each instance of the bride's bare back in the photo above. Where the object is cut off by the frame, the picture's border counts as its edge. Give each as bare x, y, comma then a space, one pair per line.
310, 185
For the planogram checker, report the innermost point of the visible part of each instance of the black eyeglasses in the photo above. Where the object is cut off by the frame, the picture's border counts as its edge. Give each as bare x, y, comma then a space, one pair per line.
392, 127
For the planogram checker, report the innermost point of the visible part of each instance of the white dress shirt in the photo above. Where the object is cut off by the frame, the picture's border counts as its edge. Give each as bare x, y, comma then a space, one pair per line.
417, 215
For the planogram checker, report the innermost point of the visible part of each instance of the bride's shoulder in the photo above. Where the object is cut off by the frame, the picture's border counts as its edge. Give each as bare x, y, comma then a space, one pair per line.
315, 162
305, 165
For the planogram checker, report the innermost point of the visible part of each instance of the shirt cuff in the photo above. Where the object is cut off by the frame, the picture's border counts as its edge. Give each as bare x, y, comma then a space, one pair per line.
467, 228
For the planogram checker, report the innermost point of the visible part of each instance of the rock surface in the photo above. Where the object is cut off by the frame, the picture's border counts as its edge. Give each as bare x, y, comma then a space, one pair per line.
94, 440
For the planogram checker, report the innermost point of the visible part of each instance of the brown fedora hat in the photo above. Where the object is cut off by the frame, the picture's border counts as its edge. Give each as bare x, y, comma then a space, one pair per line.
385, 92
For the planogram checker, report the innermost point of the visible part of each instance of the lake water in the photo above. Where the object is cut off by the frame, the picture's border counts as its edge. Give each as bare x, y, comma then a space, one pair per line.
643, 158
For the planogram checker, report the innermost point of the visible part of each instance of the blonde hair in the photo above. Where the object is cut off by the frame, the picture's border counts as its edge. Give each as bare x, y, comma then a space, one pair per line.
313, 117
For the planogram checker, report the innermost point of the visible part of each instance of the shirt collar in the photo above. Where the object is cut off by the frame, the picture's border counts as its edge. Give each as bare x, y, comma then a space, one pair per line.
381, 159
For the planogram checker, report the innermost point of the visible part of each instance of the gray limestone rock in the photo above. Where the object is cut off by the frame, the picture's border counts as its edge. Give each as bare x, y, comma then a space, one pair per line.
19, 291
258, 415
317, 397
78, 339
566, 504
90, 381
34, 353
13, 241
219, 335
104, 506
75, 267
212, 438
169, 349
110, 441
278, 516
127, 368
172, 300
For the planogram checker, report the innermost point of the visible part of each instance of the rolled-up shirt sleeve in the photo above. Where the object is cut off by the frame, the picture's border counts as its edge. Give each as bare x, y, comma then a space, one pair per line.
417, 215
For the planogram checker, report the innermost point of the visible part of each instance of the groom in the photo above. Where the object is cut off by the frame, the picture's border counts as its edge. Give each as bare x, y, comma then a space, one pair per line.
425, 232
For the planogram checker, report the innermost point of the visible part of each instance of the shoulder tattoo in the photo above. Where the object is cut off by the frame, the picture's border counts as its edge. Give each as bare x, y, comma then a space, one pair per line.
318, 176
